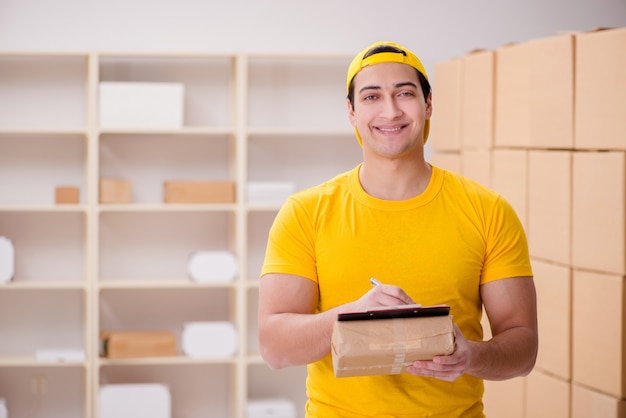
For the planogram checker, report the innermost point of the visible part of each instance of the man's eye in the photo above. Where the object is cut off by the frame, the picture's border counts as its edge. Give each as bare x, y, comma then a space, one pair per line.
407, 93
369, 97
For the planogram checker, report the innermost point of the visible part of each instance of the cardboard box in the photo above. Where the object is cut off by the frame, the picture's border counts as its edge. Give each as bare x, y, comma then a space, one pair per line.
115, 190
599, 211
509, 171
66, 195
599, 332
445, 124
130, 344
387, 346
477, 100
512, 106
200, 191
505, 398
587, 403
552, 92
600, 120
450, 161
554, 311
476, 165
131, 105
547, 396
549, 205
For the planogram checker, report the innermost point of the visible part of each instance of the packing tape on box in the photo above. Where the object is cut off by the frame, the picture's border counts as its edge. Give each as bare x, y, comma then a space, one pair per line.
7, 260
212, 266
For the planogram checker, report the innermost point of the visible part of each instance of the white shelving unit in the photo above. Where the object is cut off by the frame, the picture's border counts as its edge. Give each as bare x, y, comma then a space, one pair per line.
86, 267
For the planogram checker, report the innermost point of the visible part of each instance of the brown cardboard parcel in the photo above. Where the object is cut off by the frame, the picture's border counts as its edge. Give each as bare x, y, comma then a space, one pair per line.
387, 346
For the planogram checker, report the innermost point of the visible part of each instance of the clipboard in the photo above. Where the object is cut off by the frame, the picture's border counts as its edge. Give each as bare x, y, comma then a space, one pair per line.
400, 311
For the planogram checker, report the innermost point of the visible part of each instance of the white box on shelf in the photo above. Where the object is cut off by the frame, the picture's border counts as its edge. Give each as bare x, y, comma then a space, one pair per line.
270, 191
60, 355
148, 400
207, 339
141, 105
212, 266
7, 260
270, 408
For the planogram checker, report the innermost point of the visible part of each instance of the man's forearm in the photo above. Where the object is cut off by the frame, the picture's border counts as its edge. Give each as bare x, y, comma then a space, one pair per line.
509, 354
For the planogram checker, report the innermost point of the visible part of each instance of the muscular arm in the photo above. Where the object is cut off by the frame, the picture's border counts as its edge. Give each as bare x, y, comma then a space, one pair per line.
291, 332
512, 310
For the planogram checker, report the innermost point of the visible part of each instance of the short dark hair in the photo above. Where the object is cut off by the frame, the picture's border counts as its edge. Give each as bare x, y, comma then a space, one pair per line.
389, 48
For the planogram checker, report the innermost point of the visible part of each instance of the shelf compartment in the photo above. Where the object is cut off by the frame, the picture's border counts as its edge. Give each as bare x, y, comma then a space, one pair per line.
33, 165
197, 391
44, 392
306, 160
288, 383
43, 92
259, 224
208, 82
163, 309
157, 245
147, 160
286, 91
41, 319
49, 246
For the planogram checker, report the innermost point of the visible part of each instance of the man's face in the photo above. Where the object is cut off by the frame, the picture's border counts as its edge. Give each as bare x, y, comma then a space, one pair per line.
389, 109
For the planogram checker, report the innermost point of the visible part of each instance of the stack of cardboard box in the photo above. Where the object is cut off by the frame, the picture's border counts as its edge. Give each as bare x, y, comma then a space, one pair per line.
543, 122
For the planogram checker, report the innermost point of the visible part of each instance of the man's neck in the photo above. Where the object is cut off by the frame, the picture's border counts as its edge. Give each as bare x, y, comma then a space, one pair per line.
390, 179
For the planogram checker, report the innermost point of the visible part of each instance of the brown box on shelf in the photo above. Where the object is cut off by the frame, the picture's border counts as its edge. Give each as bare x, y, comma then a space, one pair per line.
115, 190
130, 344
199, 191
66, 195
387, 346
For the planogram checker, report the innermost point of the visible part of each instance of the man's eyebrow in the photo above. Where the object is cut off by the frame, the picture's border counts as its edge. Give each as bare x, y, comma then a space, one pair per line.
397, 85
369, 88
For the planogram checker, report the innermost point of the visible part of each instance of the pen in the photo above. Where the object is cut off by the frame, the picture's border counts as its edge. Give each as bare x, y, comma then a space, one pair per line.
374, 282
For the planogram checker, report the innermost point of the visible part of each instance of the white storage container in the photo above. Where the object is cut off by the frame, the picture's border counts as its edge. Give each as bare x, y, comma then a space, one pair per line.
273, 192
270, 408
150, 400
212, 266
126, 105
7, 260
208, 339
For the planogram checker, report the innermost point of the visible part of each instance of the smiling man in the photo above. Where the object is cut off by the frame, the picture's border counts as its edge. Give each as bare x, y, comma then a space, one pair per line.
430, 235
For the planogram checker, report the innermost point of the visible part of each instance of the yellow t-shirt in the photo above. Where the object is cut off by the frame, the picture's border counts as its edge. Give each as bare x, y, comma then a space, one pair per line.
439, 247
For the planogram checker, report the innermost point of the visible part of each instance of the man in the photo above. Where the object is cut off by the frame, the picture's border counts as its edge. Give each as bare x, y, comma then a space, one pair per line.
430, 236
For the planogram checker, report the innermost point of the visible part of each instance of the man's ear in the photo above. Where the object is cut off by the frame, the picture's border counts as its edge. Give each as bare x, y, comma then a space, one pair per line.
429, 105
350, 113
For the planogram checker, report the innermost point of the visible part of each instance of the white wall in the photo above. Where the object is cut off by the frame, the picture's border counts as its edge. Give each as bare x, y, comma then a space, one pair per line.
436, 30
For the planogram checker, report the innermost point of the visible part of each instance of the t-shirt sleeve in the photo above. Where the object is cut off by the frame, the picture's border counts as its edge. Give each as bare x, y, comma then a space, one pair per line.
290, 245
507, 247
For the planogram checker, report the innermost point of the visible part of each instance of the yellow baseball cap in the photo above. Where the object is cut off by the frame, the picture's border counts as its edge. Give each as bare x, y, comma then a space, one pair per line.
409, 58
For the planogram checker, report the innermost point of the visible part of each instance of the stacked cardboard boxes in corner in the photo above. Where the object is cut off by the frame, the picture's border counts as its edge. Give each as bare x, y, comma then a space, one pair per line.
556, 151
